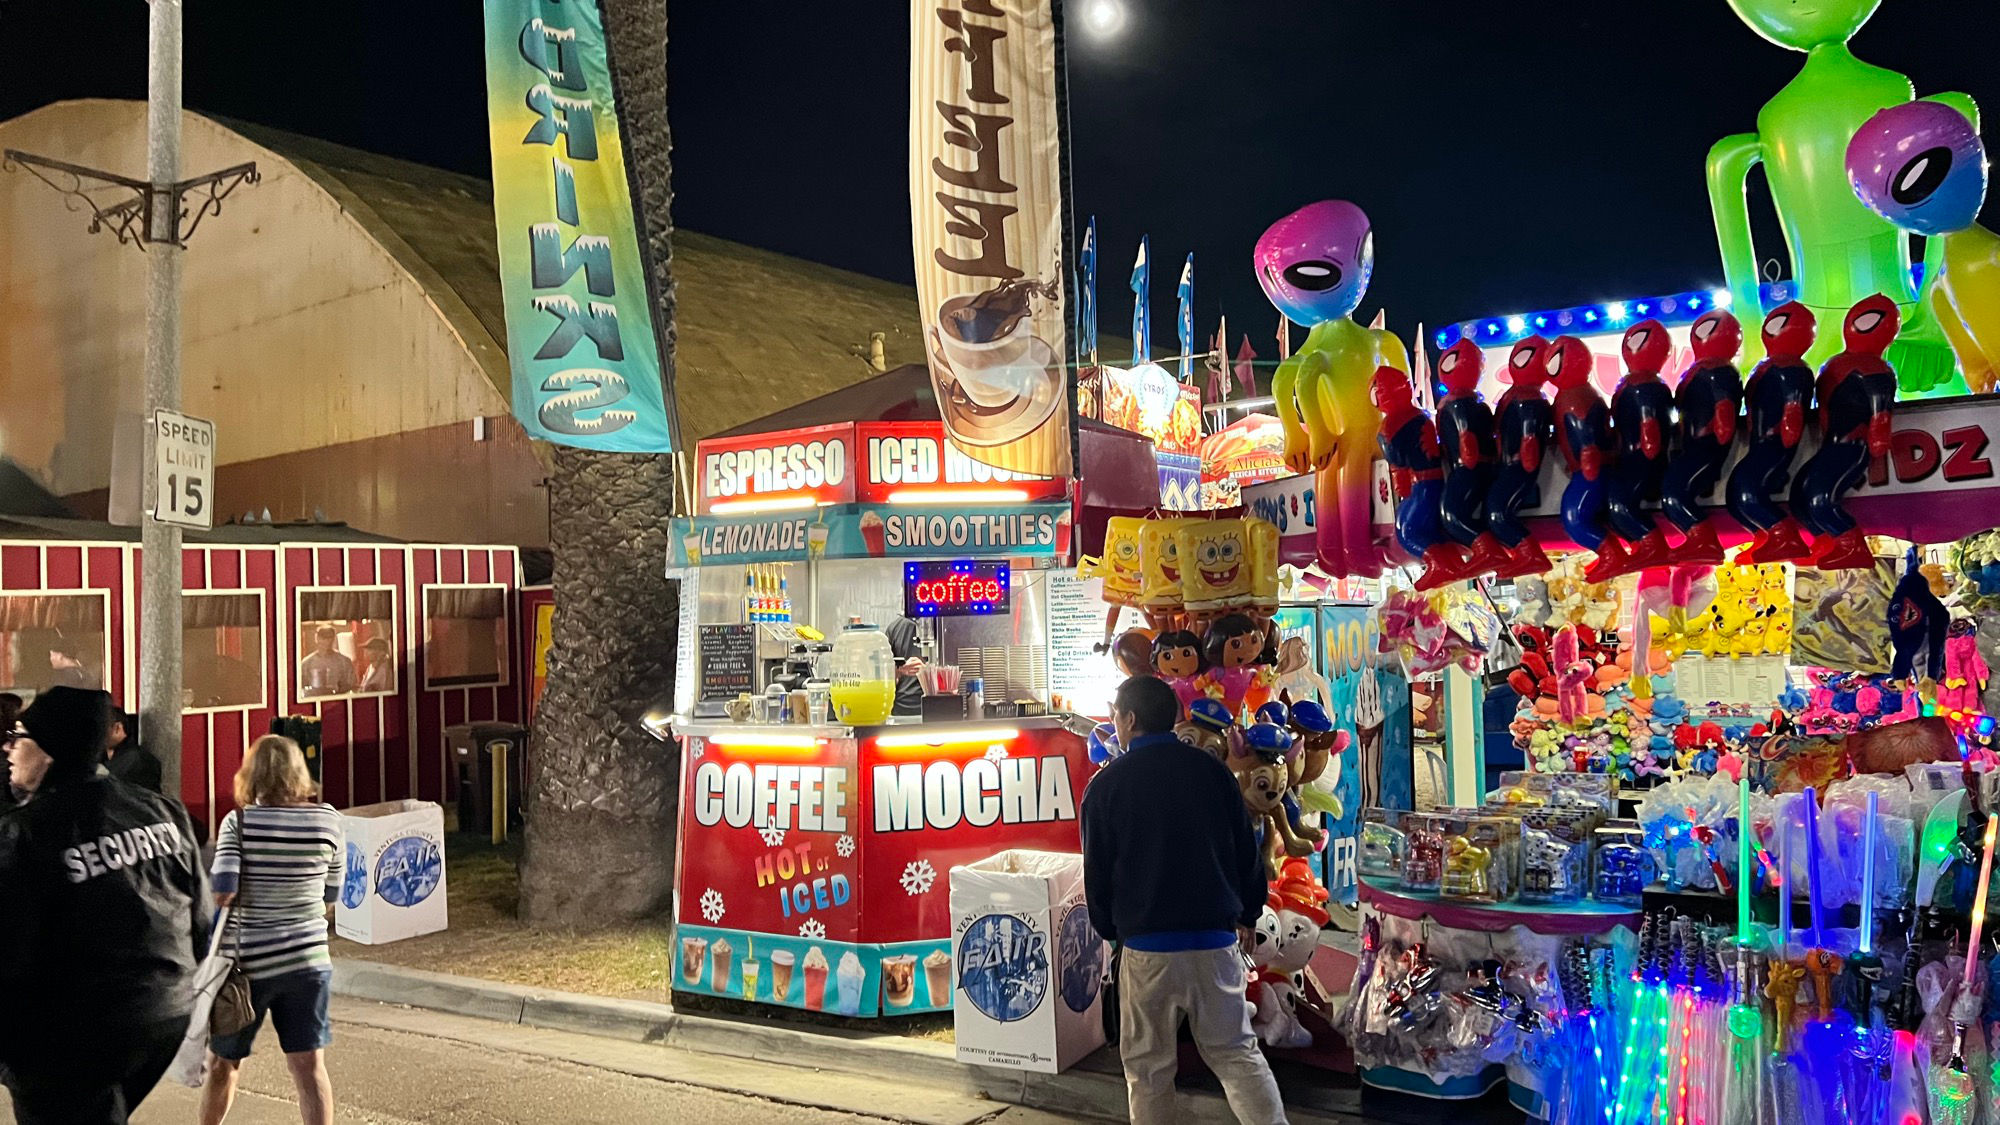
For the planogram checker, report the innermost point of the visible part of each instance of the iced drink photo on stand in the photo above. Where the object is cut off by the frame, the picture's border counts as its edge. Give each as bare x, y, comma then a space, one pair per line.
781, 974
937, 974
899, 979
694, 951
815, 973
847, 981
719, 956
750, 978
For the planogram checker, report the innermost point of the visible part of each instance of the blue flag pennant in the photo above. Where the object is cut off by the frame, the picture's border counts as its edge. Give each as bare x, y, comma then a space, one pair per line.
1142, 343
1187, 319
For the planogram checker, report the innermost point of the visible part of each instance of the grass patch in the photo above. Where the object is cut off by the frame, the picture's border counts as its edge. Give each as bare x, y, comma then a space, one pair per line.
486, 938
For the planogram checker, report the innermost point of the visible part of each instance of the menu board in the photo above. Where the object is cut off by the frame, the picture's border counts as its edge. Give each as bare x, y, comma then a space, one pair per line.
728, 661
1081, 679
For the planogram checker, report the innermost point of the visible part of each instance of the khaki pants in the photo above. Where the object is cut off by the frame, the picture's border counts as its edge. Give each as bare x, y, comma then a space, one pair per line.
1155, 991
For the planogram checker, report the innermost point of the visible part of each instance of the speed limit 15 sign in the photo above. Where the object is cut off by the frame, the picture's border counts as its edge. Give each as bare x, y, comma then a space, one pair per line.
183, 470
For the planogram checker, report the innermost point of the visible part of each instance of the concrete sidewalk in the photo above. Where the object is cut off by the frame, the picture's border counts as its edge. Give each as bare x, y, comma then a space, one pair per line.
1094, 1089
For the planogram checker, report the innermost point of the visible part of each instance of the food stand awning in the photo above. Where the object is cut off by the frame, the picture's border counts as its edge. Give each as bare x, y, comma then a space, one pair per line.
866, 472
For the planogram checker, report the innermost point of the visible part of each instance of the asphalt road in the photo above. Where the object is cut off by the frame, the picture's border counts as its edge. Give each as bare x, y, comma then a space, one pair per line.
393, 1066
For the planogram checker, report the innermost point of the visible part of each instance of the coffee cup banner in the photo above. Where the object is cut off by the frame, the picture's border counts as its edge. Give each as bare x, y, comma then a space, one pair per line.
986, 208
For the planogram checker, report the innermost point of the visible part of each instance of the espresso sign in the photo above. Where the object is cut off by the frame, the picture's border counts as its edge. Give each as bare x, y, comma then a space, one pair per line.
986, 216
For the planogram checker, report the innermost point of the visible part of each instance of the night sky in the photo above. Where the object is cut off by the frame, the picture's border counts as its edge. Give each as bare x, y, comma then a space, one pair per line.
1509, 163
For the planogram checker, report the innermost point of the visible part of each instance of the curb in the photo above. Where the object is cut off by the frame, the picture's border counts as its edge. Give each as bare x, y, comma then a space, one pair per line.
1080, 1092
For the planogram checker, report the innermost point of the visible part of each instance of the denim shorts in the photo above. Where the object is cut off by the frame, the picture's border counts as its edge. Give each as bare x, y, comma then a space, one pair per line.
296, 1002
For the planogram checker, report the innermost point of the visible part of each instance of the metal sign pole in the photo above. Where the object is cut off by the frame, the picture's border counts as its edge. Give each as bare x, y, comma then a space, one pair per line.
160, 582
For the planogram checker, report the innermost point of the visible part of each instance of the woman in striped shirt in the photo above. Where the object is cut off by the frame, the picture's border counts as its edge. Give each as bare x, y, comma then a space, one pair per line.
278, 863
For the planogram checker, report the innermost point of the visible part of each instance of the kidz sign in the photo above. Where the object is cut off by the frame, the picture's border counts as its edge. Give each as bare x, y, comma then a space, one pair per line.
956, 589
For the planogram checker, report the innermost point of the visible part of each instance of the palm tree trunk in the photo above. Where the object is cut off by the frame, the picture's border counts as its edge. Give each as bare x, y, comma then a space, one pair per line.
600, 838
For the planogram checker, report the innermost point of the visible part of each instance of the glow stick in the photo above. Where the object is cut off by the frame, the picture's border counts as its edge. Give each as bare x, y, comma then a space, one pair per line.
1979, 903
1813, 884
1952, 1100
1868, 876
1743, 858
1784, 834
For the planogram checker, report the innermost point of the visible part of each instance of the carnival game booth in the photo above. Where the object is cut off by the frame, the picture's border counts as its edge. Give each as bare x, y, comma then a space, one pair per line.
815, 848
379, 640
1802, 725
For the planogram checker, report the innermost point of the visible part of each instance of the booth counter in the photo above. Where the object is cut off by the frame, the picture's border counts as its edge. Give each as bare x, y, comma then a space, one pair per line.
814, 860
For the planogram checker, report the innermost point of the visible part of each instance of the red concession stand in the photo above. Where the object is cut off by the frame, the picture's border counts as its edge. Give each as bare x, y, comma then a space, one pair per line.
814, 856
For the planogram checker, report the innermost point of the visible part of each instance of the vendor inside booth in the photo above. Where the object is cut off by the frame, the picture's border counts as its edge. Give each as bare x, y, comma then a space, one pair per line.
865, 700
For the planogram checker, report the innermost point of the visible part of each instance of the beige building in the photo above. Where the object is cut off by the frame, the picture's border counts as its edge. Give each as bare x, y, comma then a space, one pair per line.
342, 326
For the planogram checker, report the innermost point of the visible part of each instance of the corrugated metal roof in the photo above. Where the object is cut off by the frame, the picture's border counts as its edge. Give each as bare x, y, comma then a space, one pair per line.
757, 331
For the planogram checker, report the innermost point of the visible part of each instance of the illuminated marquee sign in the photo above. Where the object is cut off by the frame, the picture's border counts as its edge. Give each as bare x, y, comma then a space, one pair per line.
792, 467
955, 589
911, 462
869, 462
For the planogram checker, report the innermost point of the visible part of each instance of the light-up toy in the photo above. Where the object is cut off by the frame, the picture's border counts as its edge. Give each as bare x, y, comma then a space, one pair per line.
1952, 1091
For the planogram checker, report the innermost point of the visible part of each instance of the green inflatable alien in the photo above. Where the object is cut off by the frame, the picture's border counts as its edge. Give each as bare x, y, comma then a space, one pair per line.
1841, 251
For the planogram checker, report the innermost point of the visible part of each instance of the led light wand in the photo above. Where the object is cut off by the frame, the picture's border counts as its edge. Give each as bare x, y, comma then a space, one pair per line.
1952, 1101
1743, 1082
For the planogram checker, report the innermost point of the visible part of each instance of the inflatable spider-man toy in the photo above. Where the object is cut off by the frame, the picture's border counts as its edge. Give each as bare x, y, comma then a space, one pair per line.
1708, 400
1523, 430
1409, 443
1777, 399
1641, 410
1465, 427
1583, 422
1857, 393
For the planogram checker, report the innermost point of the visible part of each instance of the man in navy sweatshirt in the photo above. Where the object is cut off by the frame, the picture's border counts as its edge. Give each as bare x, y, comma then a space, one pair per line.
1172, 871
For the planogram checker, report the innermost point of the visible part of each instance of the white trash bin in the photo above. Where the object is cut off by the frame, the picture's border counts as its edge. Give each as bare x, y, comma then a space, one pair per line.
394, 885
1030, 967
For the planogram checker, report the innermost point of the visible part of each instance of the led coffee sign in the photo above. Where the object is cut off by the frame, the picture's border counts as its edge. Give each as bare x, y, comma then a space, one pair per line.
955, 589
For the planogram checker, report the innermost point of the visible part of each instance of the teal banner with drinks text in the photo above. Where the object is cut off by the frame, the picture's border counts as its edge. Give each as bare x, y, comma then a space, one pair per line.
872, 531
580, 335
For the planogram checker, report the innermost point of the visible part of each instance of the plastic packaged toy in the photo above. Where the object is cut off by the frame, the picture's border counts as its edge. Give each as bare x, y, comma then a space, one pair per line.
1623, 866
1382, 844
1482, 858
1424, 852
1555, 858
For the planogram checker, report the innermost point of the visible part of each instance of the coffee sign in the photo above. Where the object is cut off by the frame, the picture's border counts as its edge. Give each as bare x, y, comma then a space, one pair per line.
986, 209
810, 466
913, 459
